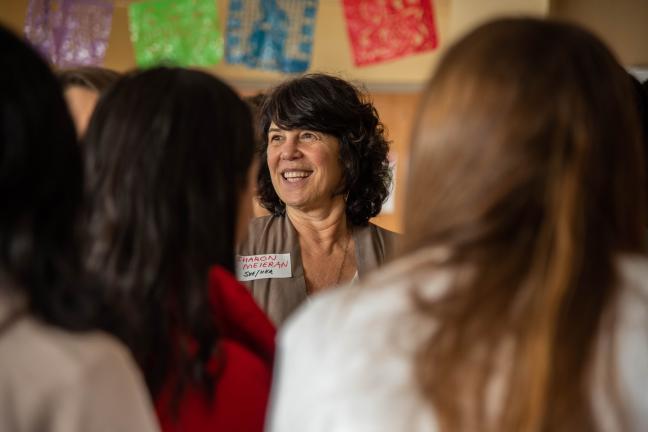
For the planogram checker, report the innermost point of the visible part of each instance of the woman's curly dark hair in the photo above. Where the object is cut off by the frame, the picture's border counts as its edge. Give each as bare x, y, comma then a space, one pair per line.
331, 105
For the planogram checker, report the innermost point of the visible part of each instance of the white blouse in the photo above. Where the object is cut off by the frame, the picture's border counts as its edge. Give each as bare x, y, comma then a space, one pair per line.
345, 359
58, 381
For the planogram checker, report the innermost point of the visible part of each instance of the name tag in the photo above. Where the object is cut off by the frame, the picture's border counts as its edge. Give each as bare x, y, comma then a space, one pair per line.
268, 266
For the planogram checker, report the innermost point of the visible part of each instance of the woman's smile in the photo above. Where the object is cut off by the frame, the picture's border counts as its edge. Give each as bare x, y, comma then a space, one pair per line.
296, 176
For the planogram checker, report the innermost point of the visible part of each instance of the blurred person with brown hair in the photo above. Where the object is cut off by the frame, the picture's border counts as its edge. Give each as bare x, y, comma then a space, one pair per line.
82, 87
521, 300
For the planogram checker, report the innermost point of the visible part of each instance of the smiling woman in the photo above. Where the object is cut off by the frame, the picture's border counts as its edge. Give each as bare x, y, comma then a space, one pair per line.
325, 175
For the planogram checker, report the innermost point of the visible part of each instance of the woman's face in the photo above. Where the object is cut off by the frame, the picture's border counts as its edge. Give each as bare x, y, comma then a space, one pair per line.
304, 166
81, 102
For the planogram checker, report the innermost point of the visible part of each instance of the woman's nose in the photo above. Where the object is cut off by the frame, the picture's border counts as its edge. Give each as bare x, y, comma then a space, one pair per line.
290, 149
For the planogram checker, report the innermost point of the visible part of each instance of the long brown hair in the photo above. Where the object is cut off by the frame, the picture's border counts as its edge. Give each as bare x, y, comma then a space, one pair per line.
527, 157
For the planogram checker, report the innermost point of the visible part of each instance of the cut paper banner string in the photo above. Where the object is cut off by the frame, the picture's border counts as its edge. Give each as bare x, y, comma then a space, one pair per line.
382, 30
70, 32
179, 32
271, 34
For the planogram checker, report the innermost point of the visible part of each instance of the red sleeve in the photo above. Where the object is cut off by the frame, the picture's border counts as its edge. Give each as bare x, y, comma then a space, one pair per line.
238, 315
240, 397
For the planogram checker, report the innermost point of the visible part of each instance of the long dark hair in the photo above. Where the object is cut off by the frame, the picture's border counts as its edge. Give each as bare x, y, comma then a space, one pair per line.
334, 106
641, 103
528, 157
41, 190
167, 154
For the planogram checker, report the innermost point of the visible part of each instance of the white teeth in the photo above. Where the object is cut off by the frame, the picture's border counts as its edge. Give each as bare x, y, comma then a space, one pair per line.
295, 174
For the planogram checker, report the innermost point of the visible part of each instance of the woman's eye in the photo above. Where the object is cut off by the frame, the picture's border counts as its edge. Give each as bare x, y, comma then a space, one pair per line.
275, 138
308, 136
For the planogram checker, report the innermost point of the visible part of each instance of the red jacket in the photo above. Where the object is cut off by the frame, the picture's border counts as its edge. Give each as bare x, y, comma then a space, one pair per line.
247, 349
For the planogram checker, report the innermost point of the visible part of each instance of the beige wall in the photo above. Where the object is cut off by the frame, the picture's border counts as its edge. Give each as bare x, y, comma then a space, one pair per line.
395, 85
397, 111
331, 50
466, 14
623, 24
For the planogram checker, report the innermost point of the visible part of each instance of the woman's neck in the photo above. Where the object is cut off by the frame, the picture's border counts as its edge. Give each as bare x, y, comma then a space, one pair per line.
323, 228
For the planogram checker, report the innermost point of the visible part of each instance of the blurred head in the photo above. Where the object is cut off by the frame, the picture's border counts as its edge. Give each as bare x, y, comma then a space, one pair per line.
169, 158
527, 156
322, 139
82, 87
41, 187
513, 135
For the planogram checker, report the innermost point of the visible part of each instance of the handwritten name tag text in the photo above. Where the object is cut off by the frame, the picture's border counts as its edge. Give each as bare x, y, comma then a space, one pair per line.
252, 267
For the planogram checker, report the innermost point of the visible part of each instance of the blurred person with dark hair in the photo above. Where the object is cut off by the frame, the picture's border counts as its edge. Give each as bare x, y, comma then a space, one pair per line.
641, 102
82, 87
255, 102
57, 373
324, 174
170, 166
521, 300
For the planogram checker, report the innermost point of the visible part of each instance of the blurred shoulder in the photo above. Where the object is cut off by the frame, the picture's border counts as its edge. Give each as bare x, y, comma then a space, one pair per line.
633, 271
633, 294
335, 349
30, 344
625, 353
377, 302
56, 375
